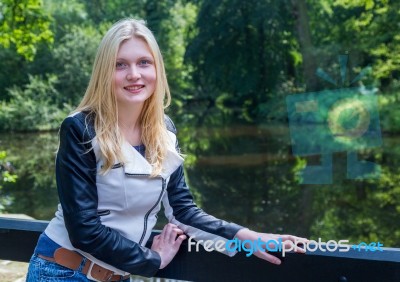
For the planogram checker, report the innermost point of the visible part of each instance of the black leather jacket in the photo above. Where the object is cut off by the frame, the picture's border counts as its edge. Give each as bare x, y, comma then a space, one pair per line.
76, 174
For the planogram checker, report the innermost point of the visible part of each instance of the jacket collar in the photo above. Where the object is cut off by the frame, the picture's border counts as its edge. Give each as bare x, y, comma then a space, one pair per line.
135, 163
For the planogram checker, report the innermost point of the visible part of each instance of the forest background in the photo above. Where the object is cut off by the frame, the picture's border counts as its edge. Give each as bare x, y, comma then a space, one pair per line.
230, 65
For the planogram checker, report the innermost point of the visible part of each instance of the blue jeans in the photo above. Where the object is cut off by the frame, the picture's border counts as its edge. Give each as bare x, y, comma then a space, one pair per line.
47, 271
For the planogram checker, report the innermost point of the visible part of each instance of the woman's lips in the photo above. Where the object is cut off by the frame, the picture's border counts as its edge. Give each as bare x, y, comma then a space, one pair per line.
134, 88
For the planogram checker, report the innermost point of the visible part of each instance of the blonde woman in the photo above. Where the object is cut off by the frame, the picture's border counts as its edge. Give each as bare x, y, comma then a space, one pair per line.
117, 162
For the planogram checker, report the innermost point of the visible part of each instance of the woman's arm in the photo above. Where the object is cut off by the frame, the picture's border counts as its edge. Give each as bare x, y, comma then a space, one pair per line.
181, 210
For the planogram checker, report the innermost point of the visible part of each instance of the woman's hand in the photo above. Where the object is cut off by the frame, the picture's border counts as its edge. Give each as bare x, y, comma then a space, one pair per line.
167, 243
289, 242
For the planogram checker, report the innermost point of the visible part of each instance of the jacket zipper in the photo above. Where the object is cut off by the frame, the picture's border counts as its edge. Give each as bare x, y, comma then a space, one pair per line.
118, 165
103, 212
146, 217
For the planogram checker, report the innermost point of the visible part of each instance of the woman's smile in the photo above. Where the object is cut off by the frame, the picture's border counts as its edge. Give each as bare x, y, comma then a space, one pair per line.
134, 88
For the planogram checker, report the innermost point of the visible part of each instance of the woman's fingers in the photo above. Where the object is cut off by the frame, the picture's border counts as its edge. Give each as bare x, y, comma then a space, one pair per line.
165, 234
282, 242
294, 239
170, 233
296, 246
295, 243
179, 241
167, 243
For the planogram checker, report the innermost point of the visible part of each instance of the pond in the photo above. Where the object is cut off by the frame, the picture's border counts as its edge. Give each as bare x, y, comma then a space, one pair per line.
245, 174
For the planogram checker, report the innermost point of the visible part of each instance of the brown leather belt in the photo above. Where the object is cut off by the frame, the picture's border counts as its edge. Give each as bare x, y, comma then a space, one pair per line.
73, 260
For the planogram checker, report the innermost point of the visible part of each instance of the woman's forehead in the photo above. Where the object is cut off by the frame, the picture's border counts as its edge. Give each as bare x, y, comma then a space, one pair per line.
134, 47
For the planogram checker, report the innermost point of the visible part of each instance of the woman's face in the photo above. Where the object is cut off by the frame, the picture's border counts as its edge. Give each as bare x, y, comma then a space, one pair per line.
135, 73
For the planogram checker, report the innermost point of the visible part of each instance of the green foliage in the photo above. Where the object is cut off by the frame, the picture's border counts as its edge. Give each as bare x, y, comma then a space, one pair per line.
24, 24
364, 29
100, 11
240, 52
7, 175
389, 112
73, 59
33, 107
65, 14
173, 32
13, 71
6, 170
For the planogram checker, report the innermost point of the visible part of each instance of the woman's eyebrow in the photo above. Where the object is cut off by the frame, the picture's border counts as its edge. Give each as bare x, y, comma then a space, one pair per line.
146, 57
138, 58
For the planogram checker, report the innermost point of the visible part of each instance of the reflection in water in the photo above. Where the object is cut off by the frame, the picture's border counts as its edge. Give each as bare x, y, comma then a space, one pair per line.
32, 155
247, 175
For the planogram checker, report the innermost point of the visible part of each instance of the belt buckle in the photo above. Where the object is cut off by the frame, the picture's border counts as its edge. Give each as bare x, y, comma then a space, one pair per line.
89, 273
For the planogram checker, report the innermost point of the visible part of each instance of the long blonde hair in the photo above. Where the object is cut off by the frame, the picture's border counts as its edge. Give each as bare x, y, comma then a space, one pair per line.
100, 98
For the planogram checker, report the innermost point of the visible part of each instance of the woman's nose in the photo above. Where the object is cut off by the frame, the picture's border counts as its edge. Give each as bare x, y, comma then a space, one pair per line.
133, 74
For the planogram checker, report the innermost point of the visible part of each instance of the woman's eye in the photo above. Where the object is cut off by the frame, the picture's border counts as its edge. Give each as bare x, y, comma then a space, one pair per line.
144, 62
120, 65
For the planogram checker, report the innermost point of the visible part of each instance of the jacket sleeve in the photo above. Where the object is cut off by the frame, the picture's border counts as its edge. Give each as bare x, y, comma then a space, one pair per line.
181, 210
76, 183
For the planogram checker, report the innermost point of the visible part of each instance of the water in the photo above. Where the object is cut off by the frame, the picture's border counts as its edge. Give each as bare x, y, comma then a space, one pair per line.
244, 174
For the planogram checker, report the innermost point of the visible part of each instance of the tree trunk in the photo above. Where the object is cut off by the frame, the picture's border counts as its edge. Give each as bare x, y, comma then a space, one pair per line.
306, 46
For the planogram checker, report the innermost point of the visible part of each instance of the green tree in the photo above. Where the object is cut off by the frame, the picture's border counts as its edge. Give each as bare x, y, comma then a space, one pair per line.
242, 53
24, 24
366, 29
171, 22
73, 58
100, 11
33, 107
